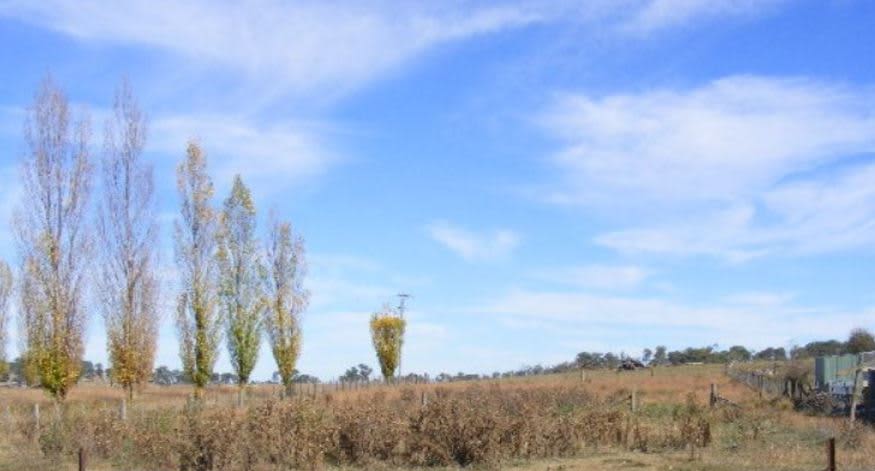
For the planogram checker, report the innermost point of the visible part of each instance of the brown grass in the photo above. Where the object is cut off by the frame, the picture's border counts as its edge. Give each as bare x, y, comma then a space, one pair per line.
551, 422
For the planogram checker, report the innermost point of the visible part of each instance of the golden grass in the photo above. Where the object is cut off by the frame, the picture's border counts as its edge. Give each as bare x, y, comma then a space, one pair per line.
763, 434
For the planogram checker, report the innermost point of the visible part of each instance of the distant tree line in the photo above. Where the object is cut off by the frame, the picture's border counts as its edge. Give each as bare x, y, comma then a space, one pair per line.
859, 340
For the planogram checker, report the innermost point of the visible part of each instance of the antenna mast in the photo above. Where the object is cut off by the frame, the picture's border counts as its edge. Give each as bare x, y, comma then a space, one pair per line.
402, 306
402, 303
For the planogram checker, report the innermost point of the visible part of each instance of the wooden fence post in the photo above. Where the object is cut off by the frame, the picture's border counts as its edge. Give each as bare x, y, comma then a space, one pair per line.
36, 415
712, 399
83, 459
424, 401
123, 410
831, 454
857, 383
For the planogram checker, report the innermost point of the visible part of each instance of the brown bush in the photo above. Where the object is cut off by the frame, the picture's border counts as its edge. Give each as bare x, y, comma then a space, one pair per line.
483, 425
285, 434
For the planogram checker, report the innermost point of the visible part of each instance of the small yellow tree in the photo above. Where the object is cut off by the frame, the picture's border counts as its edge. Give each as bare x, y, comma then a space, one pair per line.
387, 334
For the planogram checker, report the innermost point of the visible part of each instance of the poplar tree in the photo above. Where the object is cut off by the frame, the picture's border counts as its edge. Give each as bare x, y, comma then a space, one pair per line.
197, 321
287, 298
5, 293
127, 229
387, 335
54, 240
241, 281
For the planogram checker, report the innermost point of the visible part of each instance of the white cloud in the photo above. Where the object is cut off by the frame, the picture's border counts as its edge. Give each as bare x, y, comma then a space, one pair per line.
597, 276
594, 318
473, 246
337, 46
654, 15
816, 215
685, 145
279, 153
345, 281
334, 46
722, 234
760, 299
736, 168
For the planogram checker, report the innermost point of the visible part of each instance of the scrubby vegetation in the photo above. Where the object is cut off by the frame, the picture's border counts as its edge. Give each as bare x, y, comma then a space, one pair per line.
486, 424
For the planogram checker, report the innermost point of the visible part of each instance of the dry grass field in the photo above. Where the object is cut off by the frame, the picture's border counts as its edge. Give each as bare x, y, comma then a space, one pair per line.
540, 423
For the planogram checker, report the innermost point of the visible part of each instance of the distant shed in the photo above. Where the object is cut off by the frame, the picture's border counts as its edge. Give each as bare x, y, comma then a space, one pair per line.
834, 368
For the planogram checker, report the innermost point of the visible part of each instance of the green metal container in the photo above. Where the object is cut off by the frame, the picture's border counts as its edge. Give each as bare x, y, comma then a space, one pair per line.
830, 369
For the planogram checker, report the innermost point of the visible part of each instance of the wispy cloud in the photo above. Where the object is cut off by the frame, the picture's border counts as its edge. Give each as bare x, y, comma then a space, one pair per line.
276, 154
820, 214
338, 46
474, 246
760, 298
608, 277
682, 145
737, 158
653, 15
589, 317
303, 46
722, 233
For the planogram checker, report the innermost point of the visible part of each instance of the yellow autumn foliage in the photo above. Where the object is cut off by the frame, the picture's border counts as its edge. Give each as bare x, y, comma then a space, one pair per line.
387, 334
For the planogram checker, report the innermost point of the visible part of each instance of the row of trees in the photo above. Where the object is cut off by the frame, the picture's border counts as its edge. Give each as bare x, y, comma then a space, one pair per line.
859, 340
166, 377
232, 286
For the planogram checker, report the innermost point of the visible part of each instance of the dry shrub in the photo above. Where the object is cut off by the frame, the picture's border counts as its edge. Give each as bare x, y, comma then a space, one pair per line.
694, 424
289, 434
211, 438
850, 435
151, 439
483, 425
369, 431
65, 430
462, 430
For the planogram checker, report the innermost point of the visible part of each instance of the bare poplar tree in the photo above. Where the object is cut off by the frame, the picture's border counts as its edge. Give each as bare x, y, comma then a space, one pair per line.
29, 337
5, 292
197, 320
287, 298
242, 281
53, 238
127, 229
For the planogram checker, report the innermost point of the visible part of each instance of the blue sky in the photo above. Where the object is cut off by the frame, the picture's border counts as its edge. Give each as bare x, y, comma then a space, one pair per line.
544, 177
